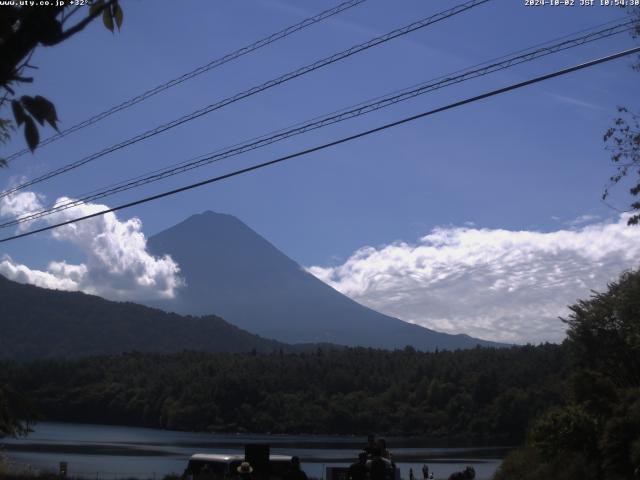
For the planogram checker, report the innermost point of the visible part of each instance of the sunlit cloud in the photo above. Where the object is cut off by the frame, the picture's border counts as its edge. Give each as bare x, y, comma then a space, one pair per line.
117, 264
490, 283
19, 205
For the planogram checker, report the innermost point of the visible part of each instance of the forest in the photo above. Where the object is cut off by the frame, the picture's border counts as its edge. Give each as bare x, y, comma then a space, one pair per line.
574, 408
479, 396
595, 433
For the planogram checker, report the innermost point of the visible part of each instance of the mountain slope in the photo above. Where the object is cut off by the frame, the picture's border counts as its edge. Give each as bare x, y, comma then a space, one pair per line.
36, 322
232, 271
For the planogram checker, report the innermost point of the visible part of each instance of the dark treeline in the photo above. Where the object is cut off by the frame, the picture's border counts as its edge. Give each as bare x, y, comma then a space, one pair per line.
482, 395
595, 433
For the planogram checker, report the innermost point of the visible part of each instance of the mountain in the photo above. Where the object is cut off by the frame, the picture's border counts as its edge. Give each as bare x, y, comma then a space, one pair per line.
232, 271
36, 322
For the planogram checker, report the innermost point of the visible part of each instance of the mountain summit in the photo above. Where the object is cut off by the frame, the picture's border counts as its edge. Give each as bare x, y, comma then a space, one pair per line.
232, 271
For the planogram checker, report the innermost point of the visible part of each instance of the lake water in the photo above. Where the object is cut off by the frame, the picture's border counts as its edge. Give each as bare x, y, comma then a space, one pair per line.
112, 452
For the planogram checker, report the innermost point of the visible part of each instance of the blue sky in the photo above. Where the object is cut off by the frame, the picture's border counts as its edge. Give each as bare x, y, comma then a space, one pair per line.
530, 160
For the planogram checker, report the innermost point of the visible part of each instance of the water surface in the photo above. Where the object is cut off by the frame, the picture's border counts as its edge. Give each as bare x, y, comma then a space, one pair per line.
111, 452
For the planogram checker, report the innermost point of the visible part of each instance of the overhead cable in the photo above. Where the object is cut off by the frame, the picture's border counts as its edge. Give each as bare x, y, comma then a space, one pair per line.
319, 122
194, 73
252, 91
334, 143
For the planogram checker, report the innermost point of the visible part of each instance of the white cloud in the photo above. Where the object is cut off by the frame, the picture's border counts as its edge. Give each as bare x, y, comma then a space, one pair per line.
494, 284
117, 265
59, 276
19, 205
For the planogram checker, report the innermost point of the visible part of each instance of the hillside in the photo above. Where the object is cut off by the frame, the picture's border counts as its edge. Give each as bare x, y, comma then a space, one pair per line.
232, 271
37, 322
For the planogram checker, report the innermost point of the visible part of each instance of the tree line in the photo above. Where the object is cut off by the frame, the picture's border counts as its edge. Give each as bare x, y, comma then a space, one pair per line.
574, 407
594, 434
481, 396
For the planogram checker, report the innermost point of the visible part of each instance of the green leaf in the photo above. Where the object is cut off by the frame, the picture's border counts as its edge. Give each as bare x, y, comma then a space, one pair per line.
107, 19
118, 15
18, 112
31, 133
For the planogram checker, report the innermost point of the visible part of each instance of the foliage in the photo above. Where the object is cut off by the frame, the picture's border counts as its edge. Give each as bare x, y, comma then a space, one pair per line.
604, 331
623, 141
22, 29
15, 413
4, 464
564, 429
529, 464
479, 396
26, 109
596, 432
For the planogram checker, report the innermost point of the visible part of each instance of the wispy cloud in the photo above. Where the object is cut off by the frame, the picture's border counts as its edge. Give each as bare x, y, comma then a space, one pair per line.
576, 102
490, 283
117, 265
583, 220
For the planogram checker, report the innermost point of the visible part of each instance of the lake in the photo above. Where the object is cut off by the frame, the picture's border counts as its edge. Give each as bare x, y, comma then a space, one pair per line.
112, 452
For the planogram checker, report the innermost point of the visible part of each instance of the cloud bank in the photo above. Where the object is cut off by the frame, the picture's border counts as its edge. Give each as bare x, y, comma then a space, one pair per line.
117, 264
490, 283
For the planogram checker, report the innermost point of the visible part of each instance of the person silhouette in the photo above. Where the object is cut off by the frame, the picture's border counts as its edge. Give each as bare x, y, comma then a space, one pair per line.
425, 472
295, 471
358, 470
377, 466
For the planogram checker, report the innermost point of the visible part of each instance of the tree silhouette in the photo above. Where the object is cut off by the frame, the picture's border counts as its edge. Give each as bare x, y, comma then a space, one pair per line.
22, 30
622, 140
595, 435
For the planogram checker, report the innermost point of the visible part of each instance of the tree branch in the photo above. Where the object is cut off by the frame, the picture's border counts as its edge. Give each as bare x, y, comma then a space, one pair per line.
70, 14
78, 27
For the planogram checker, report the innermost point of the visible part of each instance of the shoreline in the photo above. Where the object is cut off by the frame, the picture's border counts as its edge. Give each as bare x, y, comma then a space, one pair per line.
324, 440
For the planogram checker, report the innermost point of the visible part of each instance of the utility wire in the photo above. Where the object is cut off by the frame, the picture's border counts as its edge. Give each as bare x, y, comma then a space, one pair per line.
349, 138
252, 91
319, 122
194, 73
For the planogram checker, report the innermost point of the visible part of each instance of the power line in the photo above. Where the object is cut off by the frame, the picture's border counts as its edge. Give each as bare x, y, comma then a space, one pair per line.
336, 117
252, 91
195, 72
324, 146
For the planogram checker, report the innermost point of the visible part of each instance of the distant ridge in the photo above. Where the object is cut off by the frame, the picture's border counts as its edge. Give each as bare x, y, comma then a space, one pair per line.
38, 323
232, 271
